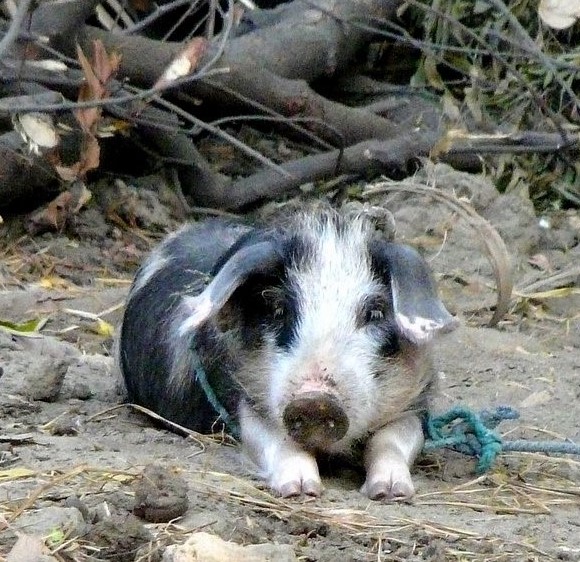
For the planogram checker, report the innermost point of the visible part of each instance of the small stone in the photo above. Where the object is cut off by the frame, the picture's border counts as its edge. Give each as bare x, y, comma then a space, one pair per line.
46, 520
65, 426
29, 549
45, 382
81, 391
205, 547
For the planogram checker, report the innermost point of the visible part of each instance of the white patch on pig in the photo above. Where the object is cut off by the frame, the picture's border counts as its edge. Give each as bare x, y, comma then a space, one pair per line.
418, 329
389, 453
289, 470
155, 263
329, 349
200, 308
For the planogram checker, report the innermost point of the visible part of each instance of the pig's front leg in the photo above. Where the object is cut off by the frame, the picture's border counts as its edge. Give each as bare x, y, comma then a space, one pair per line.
289, 470
389, 454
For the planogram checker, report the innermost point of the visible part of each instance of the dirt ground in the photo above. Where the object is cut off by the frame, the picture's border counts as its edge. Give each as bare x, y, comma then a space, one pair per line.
72, 456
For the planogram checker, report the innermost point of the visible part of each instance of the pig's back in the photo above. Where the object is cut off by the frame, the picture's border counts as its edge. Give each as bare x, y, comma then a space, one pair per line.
152, 352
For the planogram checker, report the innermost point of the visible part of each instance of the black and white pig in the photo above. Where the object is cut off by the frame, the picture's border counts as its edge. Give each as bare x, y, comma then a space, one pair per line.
312, 338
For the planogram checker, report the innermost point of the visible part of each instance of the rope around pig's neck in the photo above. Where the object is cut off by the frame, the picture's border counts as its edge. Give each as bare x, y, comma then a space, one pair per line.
462, 430
230, 423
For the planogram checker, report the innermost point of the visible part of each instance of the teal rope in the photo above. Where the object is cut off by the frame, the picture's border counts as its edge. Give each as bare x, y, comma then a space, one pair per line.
473, 434
201, 376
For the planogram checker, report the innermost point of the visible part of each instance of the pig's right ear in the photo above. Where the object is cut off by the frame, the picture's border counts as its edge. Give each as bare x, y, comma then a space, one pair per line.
419, 313
260, 256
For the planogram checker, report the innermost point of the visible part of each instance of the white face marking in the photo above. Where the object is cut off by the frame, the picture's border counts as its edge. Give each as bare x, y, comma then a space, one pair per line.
328, 345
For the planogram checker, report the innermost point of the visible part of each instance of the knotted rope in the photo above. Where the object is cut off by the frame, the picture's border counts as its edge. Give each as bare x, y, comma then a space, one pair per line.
462, 430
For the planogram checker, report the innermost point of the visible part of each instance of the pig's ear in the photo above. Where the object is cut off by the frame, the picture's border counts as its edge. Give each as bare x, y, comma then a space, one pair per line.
419, 313
249, 258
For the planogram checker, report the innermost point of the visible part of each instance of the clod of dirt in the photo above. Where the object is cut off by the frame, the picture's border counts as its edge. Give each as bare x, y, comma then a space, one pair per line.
16, 406
160, 495
45, 382
118, 537
75, 501
204, 547
81, 391
65, 426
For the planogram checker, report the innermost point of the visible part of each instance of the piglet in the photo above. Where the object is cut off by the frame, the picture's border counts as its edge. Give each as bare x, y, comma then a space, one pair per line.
312, 337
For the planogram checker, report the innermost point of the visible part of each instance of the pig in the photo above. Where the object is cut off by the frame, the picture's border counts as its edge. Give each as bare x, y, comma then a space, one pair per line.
311, 337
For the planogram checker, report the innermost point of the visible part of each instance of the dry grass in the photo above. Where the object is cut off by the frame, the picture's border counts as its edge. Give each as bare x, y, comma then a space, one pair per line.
531, 485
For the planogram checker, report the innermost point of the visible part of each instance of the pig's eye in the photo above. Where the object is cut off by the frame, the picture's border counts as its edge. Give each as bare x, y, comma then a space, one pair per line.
275, 302
372, 311
375, 314
278, 310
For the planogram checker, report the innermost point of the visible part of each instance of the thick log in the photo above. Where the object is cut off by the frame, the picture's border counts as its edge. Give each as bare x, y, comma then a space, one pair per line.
275, 64
366, 158
23, 177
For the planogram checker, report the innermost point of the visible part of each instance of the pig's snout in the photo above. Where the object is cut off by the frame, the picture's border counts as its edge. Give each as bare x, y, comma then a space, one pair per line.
316, 420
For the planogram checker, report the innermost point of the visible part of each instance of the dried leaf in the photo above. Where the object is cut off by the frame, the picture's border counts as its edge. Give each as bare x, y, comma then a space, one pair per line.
536, 399
541, 261
89, 160
37, 130
432, 74
184, 63
90, 155
559, 293
54, 214
54, 282
98, 74
15, 473
141, 5
109, 127
52, 65
68, 173
59, 211
91, 89
82, 196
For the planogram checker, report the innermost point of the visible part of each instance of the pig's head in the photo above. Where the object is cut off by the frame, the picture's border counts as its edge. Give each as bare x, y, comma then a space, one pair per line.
332, 324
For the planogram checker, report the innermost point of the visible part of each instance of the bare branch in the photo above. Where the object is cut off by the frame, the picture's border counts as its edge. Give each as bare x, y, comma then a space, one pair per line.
14, 29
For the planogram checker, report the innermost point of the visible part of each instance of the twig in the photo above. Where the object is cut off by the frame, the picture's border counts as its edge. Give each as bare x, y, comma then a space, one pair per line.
160, 10
14, 28
532, 47
218, 132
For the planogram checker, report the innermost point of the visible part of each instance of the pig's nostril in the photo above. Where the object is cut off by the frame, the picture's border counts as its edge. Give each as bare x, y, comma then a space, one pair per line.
315, 420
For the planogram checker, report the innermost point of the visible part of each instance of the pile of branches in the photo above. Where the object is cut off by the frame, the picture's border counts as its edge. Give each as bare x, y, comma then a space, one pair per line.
364, 87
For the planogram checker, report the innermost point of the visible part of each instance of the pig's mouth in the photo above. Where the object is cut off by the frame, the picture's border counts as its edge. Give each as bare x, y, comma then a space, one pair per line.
315, 420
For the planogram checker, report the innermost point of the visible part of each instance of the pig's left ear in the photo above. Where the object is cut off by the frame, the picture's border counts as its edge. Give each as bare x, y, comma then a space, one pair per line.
419, 313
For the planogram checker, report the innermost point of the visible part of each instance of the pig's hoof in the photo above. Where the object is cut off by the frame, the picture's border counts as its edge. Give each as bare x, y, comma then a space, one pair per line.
392, 484
297, 474
297, 488
385, 491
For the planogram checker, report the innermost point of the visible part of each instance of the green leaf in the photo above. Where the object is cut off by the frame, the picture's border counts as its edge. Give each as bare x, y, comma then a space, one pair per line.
27, 329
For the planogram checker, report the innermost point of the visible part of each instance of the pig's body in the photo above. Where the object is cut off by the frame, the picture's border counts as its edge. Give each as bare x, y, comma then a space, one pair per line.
311, 337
